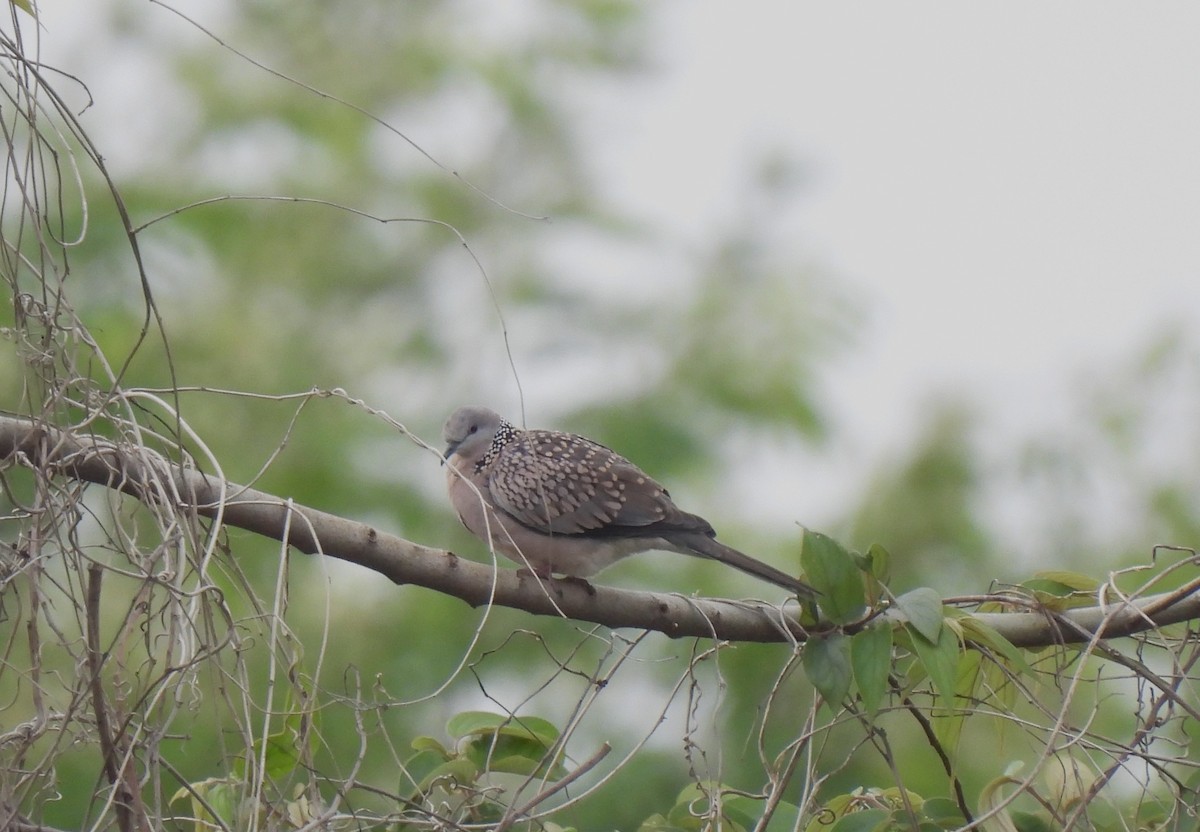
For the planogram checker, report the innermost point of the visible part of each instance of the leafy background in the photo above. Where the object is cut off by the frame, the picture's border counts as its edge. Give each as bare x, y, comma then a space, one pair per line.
703, 372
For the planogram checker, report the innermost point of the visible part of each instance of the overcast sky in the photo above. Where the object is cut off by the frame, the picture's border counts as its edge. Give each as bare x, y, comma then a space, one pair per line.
1012, 189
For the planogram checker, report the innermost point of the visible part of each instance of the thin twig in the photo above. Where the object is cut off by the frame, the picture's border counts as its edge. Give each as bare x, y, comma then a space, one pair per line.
108, 748
587, 765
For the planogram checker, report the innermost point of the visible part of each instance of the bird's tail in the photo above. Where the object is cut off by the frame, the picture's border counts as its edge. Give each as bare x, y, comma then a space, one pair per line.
706, 547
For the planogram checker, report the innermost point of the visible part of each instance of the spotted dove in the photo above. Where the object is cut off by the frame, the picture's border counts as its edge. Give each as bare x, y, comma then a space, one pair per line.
562, 504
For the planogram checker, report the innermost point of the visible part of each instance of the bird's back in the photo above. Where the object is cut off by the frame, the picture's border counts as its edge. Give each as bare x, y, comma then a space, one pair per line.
561, 483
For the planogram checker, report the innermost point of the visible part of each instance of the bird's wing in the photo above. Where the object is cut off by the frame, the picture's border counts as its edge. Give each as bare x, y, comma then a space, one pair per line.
560, 483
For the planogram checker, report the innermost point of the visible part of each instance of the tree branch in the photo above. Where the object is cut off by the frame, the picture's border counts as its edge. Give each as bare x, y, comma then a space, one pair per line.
150, 478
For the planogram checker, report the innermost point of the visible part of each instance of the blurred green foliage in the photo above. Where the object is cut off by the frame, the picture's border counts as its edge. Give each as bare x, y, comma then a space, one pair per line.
432, 118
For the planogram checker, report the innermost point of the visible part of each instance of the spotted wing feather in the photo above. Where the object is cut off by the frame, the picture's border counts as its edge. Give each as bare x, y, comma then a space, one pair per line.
560, 483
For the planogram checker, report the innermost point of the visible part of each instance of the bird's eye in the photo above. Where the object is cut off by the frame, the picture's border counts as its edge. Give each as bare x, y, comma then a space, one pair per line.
474, 429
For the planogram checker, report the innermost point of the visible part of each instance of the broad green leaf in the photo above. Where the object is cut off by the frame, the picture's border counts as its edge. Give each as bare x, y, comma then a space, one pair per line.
1153, 817
429, 744
474, 722
831, 569
519, 764
284, 747
845, 806
1002, 693
533, 727
987, 636
871, 659
742, 810
460, 770
940, 659
1072, 580
1029, 822
913, 673
417, 770
1067, 780
827, 666
750, 810
1052, 601
881, 563
836, 805
922, 607
948, 728
494, 742
1056, 595
282, 755
499, 752
219, 793
484, 724
943, 811
699, 793
876, 563
692, 801
658, 823
1191, 788
991, 796
868, 820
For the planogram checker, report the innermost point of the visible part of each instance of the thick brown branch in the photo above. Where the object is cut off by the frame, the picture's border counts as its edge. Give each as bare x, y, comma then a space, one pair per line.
144, 475
1113, 620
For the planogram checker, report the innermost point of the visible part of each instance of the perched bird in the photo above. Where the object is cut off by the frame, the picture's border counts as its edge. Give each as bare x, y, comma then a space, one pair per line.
562, 504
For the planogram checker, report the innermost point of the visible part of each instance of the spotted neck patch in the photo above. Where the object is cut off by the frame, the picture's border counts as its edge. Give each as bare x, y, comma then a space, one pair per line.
505, 433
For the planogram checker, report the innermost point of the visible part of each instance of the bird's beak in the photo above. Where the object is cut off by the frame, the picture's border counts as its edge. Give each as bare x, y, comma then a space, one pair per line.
450, 449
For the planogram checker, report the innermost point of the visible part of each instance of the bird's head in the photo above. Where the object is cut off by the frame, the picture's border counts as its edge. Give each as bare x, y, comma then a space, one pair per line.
469, 431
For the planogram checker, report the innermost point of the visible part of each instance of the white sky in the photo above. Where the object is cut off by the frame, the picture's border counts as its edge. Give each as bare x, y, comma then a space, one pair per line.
1012, 188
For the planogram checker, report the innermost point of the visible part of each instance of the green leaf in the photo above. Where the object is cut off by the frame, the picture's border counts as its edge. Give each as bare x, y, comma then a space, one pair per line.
871, 658
484, 724
1072, 580
1062, 590
922, 607
742, 810
282, 755
831, 569
943, 811
520, 745
221, 794
460, 770
968, 674
748, 811
881, 563
658, 823
526, 766
284, 749
693, 800
1029, 822
474, 722
940, 660
430, 744
417, 770
519, 755
827, 665
836, 808
534, 727
987, 636
868, 820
